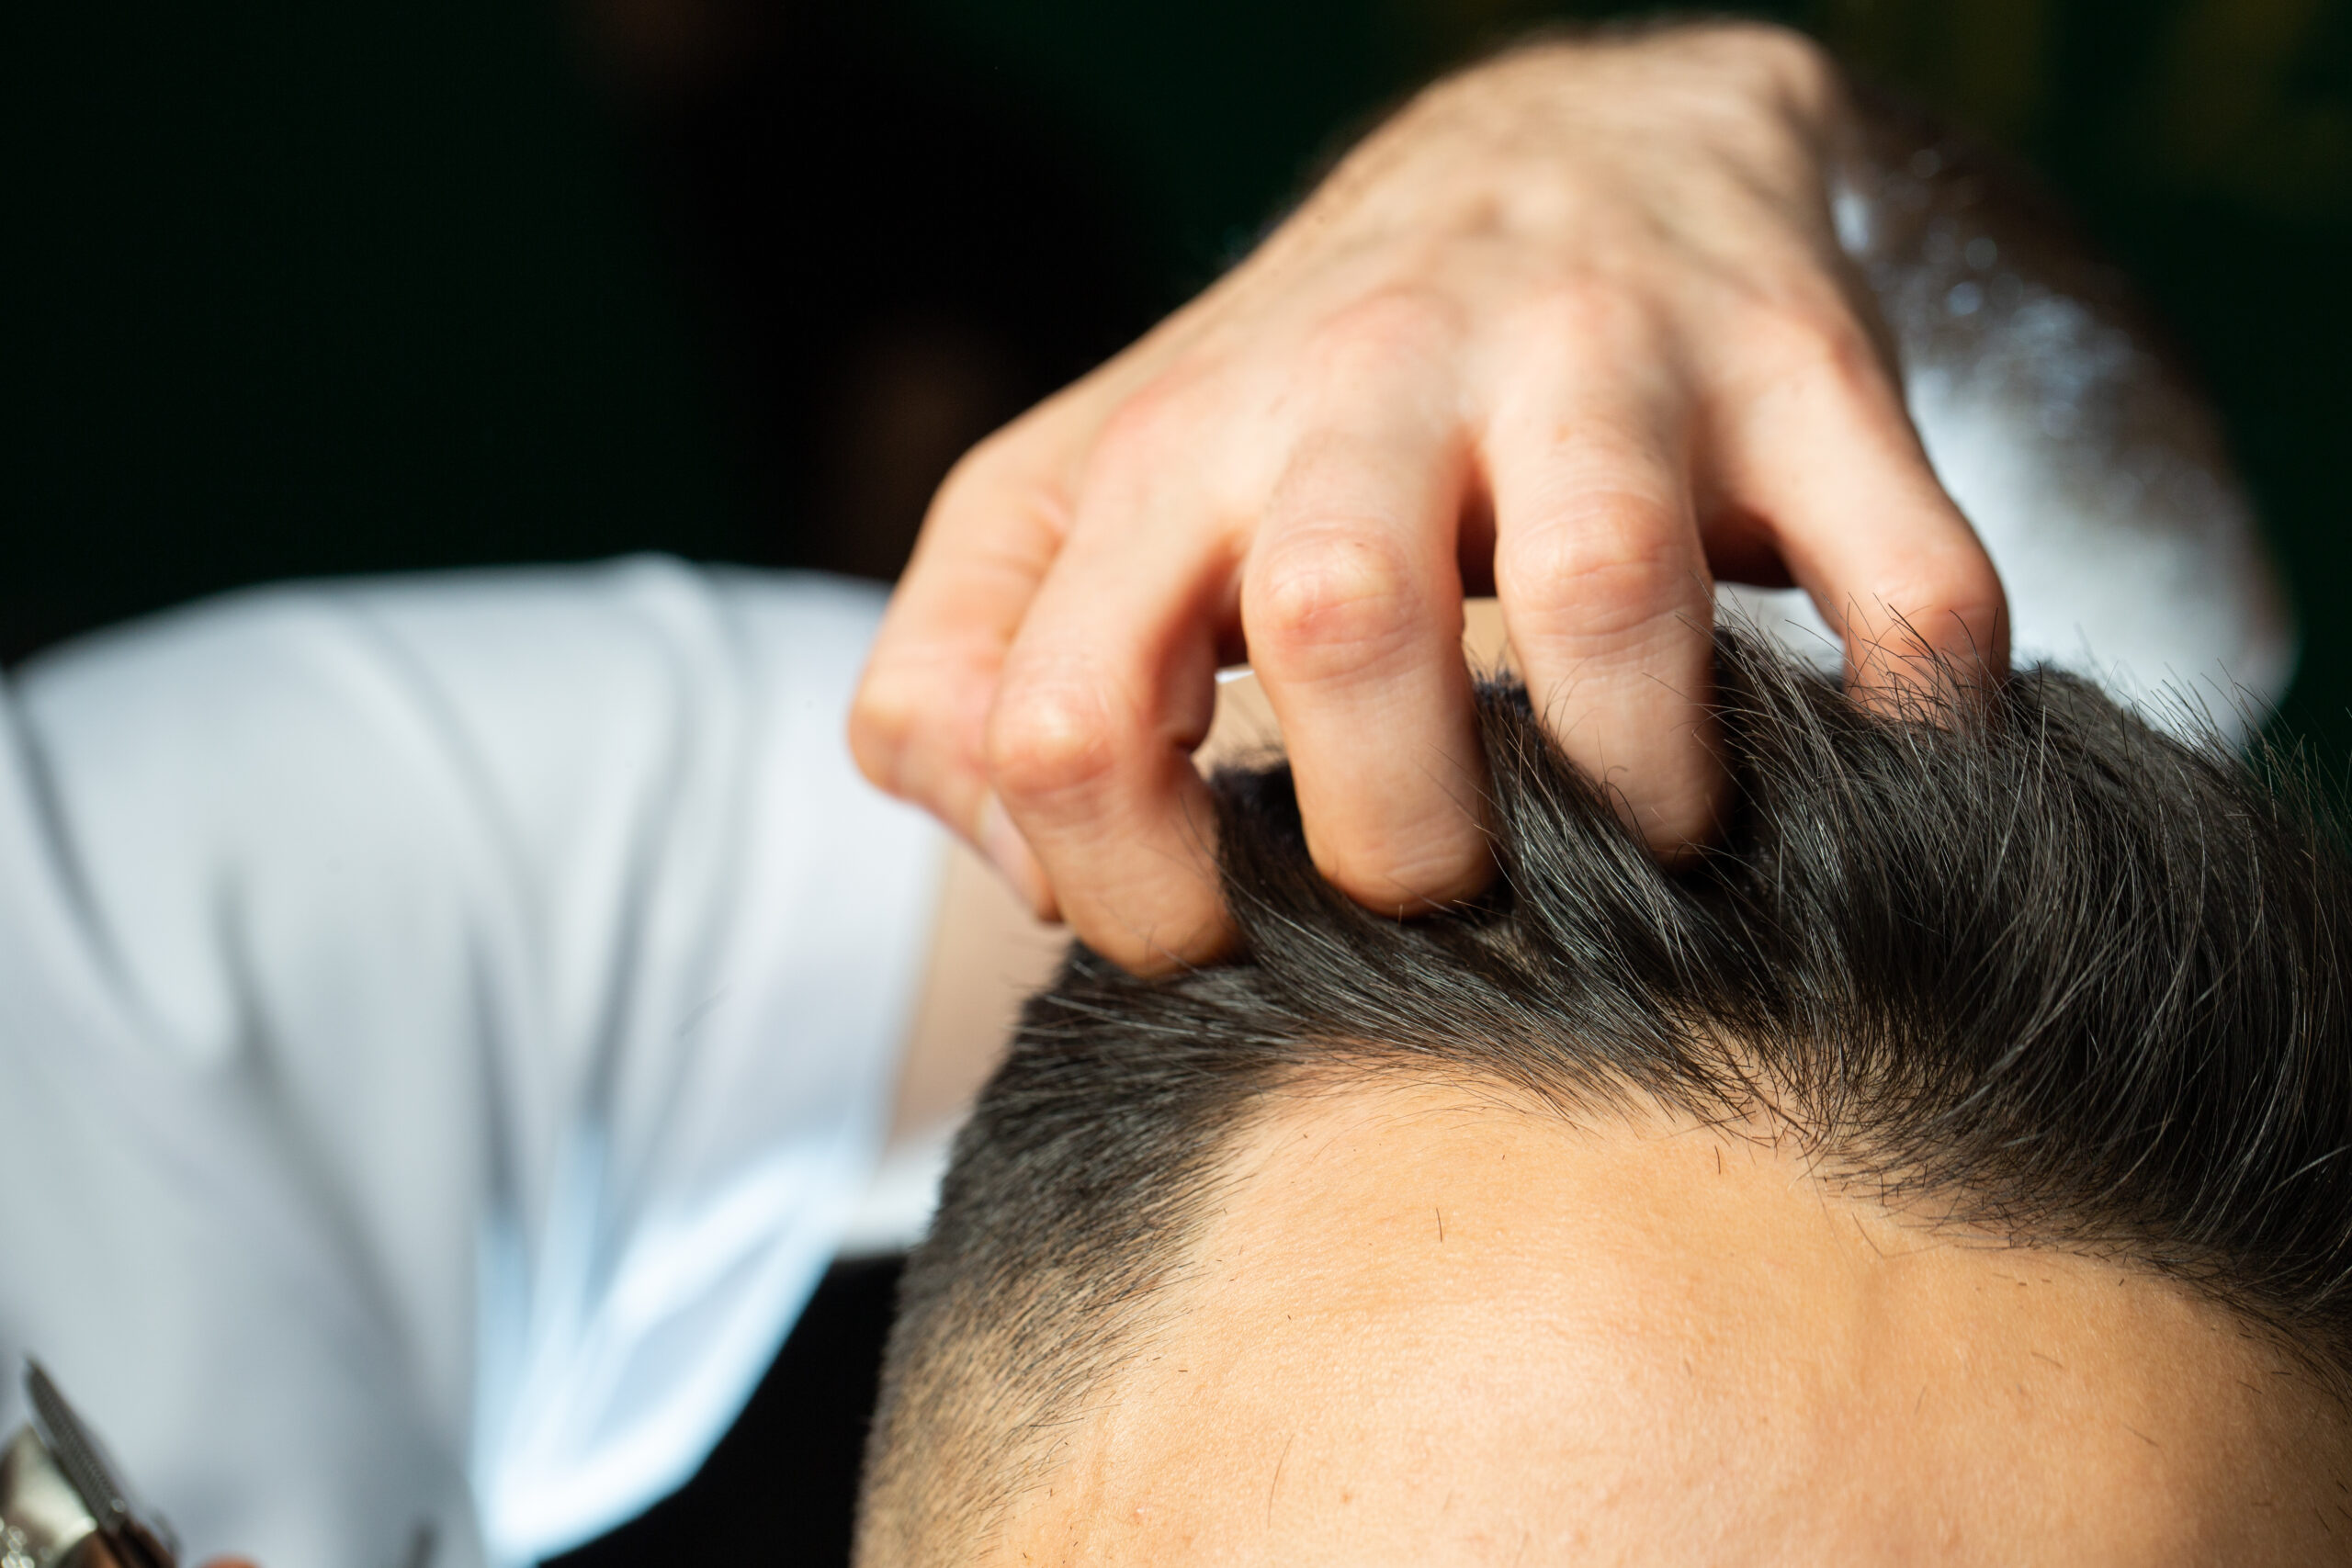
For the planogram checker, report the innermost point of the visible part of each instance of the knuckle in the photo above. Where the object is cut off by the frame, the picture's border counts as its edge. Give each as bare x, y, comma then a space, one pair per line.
1599, 318
1159, 420
1805, 72
1814, 346
1950, 599
1328, 601
1007, 507
1822, 341
1776, 64
1049, 739
1794, 64
915, 728
1608, 566
1396, 328
980, 471
881, 719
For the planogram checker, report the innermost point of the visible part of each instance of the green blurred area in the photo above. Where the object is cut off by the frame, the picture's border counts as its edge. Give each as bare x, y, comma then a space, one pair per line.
299, 287
351, 285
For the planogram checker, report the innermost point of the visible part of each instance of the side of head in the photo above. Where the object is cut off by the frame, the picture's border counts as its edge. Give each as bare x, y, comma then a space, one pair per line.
1952, 1165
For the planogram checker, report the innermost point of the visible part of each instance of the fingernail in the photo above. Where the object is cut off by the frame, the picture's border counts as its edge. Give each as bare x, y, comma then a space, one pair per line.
1002, 842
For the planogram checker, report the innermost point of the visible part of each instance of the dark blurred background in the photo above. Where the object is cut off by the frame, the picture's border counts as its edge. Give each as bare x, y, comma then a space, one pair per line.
356, 286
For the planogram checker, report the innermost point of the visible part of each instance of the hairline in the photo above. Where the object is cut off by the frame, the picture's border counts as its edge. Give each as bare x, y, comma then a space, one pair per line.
1846, 770
1357, 1069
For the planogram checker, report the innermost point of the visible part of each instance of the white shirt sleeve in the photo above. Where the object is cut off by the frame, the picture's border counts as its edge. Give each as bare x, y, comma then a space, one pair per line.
468, 1008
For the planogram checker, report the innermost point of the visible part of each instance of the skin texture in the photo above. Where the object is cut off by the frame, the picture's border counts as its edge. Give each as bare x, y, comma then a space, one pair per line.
989, 950
1427, 1327
1572, 329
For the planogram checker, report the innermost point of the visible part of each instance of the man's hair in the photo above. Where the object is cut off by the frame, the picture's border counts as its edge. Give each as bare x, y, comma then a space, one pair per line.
2021, 962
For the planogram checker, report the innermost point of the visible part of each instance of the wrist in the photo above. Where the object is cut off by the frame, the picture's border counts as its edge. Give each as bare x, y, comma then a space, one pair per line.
1562, 127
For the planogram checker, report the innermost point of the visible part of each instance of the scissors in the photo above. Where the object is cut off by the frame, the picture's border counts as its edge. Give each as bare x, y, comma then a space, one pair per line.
63, 1503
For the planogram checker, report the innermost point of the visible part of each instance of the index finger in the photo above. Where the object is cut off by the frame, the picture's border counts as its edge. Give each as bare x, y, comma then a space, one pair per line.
918, 723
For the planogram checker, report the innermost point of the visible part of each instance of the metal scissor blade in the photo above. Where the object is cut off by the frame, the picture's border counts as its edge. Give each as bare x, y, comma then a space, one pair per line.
77, 1451
83, 1459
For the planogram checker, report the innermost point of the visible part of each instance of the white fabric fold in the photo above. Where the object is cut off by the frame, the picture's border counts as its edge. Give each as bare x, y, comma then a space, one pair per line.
445, 1025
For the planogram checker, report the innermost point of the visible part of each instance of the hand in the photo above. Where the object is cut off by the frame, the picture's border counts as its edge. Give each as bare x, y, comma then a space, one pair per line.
1574, 325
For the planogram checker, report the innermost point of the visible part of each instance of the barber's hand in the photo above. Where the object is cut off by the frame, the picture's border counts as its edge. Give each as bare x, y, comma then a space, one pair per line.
1575, 324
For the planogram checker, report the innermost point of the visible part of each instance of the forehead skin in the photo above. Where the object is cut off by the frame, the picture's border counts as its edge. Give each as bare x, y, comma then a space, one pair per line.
1425, 1328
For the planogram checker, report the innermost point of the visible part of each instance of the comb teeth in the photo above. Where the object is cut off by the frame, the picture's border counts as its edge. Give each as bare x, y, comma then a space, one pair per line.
76, 1451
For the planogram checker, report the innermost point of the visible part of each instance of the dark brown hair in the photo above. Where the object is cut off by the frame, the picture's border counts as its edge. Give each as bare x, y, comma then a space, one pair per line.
2024, 961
